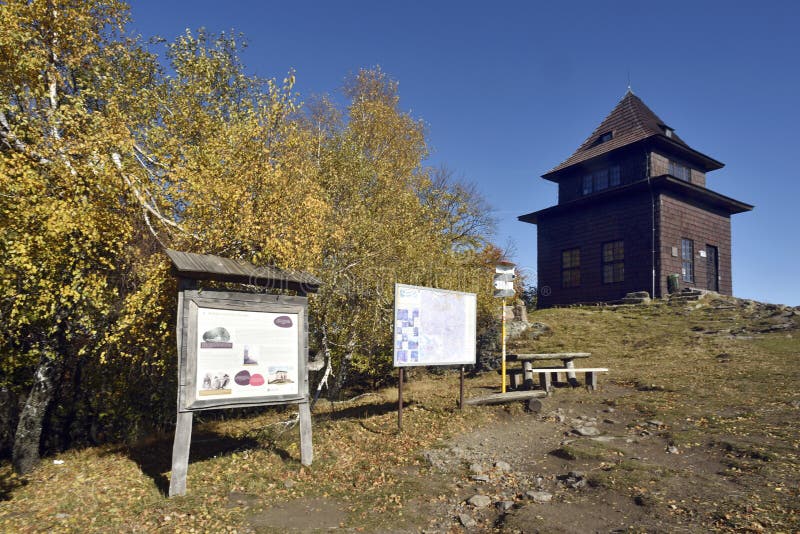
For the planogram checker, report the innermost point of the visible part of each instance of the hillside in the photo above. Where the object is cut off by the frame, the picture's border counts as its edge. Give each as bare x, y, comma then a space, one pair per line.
696, 425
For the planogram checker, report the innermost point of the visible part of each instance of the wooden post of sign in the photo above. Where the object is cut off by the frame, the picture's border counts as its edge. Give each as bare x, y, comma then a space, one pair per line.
461, 396
183, 422
400, 400
306, 447
180, 454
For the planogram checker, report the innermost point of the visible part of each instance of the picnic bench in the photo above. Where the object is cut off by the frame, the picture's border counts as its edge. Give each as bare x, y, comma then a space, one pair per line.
547, 375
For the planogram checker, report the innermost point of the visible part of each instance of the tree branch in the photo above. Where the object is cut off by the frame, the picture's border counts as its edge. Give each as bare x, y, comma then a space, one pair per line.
115, 157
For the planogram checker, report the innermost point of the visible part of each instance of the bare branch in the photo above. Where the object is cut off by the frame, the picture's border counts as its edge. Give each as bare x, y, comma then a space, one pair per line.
152, 230
143, 202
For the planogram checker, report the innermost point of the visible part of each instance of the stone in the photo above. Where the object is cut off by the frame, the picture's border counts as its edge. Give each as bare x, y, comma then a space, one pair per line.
656, 423
672, 449
288, 484
479, 478
577, 484
539, 497
587, 431
502, 466
504, 506
467, 521
479, 501
476, 469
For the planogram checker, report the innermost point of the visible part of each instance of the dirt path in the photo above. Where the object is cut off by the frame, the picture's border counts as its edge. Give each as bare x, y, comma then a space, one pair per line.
622, 474
582, 465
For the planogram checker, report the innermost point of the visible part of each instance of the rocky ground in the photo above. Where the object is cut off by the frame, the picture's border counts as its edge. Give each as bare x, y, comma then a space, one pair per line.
548, 472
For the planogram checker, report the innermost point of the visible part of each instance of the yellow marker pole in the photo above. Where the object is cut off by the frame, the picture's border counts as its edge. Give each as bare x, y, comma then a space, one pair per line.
503, 360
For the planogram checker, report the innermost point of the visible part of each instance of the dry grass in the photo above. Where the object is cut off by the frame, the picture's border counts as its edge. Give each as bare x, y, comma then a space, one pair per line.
732, 395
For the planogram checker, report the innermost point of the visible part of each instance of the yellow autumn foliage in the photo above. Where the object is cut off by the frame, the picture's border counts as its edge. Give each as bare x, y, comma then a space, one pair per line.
108, 155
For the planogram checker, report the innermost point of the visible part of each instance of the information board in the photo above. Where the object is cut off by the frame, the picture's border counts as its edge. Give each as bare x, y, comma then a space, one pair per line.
433, 326
242, 354
242, 349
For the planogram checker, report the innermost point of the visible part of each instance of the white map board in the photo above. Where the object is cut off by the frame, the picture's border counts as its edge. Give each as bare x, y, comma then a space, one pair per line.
433, 326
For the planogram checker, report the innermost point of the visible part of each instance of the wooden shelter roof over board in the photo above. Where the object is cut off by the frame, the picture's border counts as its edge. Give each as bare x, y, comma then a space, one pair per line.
209, 267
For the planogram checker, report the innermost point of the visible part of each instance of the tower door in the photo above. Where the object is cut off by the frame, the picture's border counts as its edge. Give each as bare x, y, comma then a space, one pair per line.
712, 268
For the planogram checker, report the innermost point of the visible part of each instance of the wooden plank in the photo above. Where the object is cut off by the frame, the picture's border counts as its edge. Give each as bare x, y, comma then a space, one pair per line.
501, 398
576, 370
180, 454
549, 356
306, 445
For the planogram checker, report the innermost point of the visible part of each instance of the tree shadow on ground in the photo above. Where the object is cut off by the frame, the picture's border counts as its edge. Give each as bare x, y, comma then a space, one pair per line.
361, 411
154, 455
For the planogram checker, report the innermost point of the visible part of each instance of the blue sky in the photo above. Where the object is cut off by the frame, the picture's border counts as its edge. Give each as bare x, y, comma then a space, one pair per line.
510, 89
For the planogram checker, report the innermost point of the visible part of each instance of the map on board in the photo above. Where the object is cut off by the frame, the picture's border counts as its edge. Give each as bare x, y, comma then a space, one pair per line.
433, 326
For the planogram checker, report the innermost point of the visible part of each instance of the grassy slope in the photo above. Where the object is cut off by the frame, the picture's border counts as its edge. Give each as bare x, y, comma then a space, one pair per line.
734, 393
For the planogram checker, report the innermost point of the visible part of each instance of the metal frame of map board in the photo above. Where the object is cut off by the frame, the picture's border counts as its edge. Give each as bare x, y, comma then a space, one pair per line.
193, 300
470, 345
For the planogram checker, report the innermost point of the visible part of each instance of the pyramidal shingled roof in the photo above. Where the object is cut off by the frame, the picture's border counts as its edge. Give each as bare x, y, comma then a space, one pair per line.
630, 121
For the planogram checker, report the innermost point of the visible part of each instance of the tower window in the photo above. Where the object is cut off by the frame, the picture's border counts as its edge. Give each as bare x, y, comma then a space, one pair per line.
587, 184
614, 176
613, 262
687, 260
605, 137
680, 171
571, 268
601, 180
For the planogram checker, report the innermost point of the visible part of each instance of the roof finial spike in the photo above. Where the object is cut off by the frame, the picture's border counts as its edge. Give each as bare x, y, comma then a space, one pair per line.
629, 82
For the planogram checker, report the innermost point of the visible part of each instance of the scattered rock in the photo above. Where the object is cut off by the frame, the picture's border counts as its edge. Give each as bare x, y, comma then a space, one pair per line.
479, 501
288, 484
611, 421
504, 506
672, 449
586, 430
540, 497
502, 466
479, 478
476, 469
655, 423
467, 521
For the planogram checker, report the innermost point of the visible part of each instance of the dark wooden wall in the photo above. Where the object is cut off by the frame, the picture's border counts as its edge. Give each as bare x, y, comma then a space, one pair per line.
588, 227
680, 218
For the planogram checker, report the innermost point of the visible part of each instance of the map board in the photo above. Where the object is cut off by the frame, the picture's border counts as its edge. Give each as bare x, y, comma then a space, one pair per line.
433, 326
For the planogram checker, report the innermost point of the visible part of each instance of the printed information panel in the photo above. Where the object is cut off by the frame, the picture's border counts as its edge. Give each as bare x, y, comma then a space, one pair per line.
242, 354
433, 326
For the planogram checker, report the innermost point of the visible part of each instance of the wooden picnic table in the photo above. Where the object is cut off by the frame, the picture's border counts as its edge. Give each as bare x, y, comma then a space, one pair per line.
567, 359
